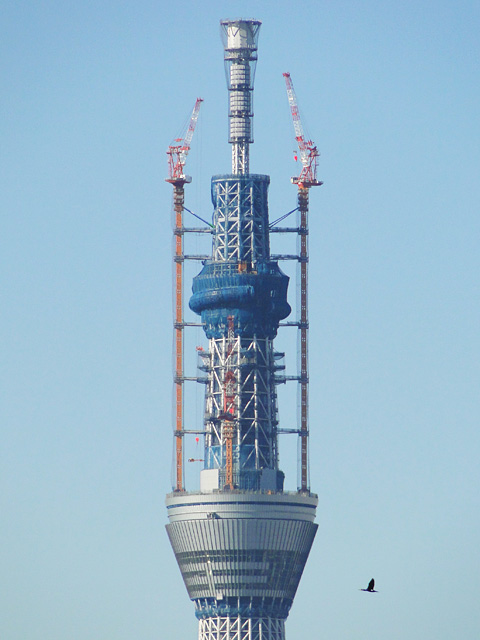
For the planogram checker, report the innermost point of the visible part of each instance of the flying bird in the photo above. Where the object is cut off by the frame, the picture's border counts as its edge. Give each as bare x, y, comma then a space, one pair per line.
371, 587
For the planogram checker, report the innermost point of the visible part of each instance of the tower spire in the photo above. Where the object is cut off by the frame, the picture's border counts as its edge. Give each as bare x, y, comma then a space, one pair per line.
240, 40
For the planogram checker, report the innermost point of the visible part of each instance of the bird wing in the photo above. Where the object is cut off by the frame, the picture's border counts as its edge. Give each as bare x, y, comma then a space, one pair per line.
371, 585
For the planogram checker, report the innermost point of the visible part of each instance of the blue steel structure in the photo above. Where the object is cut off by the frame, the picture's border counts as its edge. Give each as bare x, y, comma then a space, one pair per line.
241, 542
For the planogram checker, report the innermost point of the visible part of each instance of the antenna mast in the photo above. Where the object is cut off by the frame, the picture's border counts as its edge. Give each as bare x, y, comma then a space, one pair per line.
240, 41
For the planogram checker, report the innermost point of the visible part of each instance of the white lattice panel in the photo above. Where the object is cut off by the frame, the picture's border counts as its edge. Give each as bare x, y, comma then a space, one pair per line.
226, 628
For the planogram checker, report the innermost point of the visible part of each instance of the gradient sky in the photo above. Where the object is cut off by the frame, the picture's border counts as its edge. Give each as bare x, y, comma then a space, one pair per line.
92, 94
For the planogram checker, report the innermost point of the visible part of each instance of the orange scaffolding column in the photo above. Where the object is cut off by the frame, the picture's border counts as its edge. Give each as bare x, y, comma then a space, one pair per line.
229, 405
178, 201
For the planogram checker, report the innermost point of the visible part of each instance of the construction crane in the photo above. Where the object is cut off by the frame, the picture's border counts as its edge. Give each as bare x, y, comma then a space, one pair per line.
308, 151
307, 178
177, 155
177, 152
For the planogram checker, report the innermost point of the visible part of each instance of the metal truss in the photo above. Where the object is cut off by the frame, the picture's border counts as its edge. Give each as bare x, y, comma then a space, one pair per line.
253, 363
241, 234
238, 628
240, 157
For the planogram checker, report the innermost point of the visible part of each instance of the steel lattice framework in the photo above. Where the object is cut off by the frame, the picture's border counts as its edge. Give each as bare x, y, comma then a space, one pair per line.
226, 628
241, 287
239, 219
253, 363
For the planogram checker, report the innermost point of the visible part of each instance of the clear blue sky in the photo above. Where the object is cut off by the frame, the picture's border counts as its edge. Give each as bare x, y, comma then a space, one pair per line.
92, 94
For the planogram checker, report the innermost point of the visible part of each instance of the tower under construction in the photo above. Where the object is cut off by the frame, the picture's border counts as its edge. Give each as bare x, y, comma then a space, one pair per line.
241, 541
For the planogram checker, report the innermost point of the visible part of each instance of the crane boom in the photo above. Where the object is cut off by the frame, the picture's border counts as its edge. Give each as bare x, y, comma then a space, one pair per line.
177, 153
308, 150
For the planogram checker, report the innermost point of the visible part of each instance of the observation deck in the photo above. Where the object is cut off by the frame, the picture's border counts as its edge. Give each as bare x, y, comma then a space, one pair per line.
241, 553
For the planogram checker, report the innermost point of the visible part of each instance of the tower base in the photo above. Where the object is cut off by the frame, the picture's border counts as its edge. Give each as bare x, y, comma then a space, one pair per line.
238, 628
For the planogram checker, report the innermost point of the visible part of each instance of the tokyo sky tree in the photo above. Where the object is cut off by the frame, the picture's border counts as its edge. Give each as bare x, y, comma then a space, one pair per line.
241, 541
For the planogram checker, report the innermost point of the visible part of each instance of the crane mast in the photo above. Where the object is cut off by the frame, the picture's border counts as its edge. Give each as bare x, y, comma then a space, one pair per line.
177, 155
308, 178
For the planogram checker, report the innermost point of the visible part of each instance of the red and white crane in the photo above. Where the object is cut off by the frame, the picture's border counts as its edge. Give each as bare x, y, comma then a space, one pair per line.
308, 150
178, 151
177, 155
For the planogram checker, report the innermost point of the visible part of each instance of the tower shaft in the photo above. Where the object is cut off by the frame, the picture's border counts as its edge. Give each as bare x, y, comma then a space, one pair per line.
241, 288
